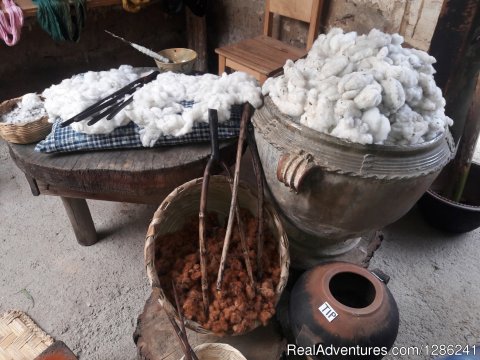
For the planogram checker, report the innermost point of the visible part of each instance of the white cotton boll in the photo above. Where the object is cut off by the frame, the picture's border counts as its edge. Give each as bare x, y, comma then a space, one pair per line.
406, 76
427, 105
30, 101
149, 135
347, 70
379, 39
346, 108
370, 96
345, 74
351, 94
376, 67
382, 54
423, 56
394, 95
354, 81
362, 53
397, 39
348, 40
340, 42
28, 109
378, 124
290, 108
333, 66
74, 95
427, 83
319, 113
408, 126
413, 95
156, 106
293, 75
267, 86
327, 43
313, 64
353, 130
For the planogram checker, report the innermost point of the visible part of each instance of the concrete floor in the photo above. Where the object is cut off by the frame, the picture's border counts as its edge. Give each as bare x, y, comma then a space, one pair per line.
90, 297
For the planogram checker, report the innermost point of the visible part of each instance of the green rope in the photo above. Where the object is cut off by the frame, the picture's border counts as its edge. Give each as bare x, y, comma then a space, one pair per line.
57, 19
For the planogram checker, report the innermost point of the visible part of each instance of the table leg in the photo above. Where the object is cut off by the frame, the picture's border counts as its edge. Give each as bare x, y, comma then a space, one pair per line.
81, 220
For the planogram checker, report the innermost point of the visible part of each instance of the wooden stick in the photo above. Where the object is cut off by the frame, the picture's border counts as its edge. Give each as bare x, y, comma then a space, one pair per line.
186, 348
466, 149
202, 230
257, 167
178, 332
247, 111
191, 354
241, 229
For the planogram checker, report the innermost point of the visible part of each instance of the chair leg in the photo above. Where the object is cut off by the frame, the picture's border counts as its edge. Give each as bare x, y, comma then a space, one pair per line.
221, 64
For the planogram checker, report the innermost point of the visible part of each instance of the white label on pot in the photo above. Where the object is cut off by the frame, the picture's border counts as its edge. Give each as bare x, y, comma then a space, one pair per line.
328, 311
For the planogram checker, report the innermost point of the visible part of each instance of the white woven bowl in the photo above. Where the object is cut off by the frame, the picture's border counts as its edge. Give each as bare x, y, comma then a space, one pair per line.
217, 351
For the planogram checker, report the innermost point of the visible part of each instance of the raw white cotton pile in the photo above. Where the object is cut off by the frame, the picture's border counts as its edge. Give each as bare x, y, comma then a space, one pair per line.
157, 107
29, 109
75, 94
366, 89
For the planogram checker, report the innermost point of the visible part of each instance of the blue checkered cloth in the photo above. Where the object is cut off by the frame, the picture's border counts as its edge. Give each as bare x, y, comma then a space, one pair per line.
68, 140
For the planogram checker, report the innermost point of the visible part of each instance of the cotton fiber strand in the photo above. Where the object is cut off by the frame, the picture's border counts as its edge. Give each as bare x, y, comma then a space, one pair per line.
29, 109
367, 89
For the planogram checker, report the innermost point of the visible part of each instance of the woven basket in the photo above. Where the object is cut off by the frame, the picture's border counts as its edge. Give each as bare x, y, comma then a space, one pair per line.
20, 337
24, 133
217, 351
183, 203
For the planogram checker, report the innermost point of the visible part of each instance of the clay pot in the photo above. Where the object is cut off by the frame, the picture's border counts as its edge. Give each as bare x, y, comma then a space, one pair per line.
330, 192
338, 305
449, 215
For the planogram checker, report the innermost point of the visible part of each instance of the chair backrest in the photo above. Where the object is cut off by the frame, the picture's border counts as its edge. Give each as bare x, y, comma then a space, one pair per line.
304, 10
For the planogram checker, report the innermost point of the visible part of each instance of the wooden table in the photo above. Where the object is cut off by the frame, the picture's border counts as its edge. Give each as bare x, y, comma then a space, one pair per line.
144, 176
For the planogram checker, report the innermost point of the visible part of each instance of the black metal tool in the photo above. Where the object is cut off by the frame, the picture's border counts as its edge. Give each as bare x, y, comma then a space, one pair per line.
112, 104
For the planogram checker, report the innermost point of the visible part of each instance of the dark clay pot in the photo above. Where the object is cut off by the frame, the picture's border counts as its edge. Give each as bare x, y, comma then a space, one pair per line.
449, 215
338, 305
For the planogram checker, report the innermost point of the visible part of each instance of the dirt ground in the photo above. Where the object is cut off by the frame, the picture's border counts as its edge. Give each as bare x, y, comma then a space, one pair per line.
90, 297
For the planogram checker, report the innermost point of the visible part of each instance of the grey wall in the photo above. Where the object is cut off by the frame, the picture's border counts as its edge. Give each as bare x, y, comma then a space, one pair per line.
37, 61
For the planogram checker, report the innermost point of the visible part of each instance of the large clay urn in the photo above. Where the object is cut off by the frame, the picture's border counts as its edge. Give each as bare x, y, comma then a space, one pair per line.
330, 192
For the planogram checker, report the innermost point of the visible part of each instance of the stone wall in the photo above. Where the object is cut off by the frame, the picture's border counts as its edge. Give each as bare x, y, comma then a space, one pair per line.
37, 61
231, 20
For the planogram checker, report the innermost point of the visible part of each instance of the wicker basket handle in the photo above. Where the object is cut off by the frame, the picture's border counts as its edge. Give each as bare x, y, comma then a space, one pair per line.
293, 168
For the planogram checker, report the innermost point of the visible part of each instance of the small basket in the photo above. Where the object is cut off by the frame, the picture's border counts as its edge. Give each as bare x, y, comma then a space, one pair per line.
183, 203
217, 351
24, 133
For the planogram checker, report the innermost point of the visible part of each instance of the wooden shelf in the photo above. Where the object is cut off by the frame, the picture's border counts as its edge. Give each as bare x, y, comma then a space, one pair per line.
30, 9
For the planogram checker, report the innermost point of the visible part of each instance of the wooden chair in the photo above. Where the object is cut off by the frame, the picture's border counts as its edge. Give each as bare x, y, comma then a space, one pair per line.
264, 56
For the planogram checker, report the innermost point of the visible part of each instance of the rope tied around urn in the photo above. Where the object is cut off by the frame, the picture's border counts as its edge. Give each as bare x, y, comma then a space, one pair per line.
59, 21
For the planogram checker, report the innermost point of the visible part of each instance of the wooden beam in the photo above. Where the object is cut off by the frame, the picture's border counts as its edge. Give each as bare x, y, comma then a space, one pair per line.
30, 9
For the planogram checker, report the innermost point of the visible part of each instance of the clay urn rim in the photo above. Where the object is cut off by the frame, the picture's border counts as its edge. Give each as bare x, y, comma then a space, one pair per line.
354, 269
293, 124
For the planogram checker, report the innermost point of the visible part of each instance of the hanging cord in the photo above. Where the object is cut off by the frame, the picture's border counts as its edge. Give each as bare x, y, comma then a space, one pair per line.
134, 6
11, 22
57, 19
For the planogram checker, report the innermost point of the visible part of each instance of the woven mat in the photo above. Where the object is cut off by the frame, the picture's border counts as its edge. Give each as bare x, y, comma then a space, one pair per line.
20, 337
